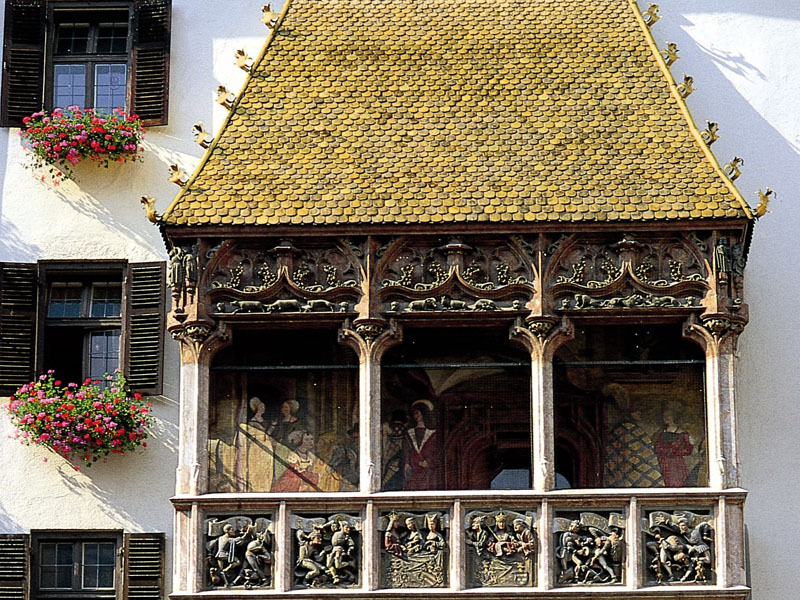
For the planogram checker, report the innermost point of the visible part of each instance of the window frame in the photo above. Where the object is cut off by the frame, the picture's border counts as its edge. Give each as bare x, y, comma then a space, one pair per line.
78, 539
91, 58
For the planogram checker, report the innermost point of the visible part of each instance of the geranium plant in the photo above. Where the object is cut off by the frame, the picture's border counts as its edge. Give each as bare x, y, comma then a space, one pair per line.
81, 422
59, 140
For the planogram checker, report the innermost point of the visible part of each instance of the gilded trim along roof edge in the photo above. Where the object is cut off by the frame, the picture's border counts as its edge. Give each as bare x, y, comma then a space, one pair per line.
537, 209
662, 64
209, 151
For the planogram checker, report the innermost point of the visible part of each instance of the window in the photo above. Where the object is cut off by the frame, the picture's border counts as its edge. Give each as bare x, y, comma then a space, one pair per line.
60, 54
85, 565
81, 320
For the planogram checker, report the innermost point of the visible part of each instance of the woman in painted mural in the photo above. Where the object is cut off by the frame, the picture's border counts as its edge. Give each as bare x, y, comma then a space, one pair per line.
673, 445
421, 452
253, 459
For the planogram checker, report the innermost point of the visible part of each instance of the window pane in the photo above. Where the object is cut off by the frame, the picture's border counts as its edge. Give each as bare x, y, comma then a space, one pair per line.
112, 38
65, 300
110, 87
103, 353
56, 566
70, 86
284, 415
629, 409
72, 38
455, 412
98, 565
106, 299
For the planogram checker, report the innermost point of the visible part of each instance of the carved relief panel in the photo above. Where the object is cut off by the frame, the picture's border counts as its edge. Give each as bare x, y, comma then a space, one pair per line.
626, 272
679, 547
501, 548
415, 551
327, 550
454, 275
590, 548
239, 551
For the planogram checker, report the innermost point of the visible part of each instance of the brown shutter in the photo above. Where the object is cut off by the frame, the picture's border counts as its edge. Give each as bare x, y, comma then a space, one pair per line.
18, 294
23, 60
144, 566
14, 566
150, 60
144, 319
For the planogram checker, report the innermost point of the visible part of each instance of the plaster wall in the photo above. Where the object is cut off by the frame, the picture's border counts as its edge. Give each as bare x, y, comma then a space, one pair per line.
743, 55
98, 216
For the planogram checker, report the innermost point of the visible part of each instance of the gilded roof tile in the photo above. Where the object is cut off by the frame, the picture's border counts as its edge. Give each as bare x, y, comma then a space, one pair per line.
385, 112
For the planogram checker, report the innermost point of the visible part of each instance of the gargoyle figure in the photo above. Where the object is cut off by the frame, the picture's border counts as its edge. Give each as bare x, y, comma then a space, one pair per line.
177, 175
764, 198
150, 207
651, 15
687, 87
201, 136
733, 168
243, 60
671, 53
224, 97
710, 134
268, 17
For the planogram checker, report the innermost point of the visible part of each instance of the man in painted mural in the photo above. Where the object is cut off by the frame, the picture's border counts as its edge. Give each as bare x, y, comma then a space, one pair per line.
422, 456
393, 441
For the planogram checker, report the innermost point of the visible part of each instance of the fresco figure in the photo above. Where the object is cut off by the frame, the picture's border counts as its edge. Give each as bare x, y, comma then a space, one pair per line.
393, 442
280, 429
302, 467
253, 457
672, 446
421, 452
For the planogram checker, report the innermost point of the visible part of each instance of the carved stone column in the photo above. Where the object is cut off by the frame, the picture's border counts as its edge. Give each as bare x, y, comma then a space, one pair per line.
542, 336
717, 335
370, 339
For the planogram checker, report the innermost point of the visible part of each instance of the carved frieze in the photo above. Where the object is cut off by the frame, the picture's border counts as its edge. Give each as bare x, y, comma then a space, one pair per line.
679, 548
597, 273
182, 276
450, 274
327, 550
590, 549
501, 548
415, 550
239, 551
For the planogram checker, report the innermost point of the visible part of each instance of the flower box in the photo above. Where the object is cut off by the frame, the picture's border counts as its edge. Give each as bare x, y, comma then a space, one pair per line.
59, 140
80, 422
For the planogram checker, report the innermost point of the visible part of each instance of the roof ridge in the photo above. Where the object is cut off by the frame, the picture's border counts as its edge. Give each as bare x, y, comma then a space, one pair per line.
226, 121
684, 107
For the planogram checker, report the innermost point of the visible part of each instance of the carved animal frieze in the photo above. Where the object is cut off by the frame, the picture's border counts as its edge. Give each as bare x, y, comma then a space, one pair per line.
281, 305
501, 548
415, 550
327, 550
590, 548
449, 304
239, 551
680, 548
636, 300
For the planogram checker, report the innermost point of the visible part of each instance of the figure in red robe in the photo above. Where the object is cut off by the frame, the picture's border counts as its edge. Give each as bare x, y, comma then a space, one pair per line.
672, 447
422, 456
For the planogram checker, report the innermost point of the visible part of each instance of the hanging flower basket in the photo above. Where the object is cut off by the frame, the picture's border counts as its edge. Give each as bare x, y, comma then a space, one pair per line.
59, 140
80, 422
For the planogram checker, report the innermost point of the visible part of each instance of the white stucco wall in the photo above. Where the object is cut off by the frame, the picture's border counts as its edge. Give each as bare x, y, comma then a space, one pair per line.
744, 57
99, 216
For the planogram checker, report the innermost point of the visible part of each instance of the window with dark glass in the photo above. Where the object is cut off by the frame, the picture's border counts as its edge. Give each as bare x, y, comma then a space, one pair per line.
455, 412
629, 407
284, 414
72, 566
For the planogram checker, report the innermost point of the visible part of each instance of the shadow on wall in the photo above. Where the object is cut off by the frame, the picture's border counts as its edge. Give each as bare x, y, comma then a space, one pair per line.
7, 523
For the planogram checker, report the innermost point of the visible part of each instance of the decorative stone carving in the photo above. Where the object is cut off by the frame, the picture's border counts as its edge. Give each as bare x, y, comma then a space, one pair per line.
582, 301
239, 552
590, 549
502, 548
448, 304
327, 551
182, 276
679, 548
720, 325
415, 550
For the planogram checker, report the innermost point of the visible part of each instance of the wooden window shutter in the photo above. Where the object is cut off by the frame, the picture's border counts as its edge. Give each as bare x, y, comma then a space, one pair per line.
143, 566
18, 296
150, 61
23, 61
14, 553
144, 322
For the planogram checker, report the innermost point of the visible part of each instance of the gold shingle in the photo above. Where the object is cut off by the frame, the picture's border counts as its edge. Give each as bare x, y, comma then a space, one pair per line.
501, 111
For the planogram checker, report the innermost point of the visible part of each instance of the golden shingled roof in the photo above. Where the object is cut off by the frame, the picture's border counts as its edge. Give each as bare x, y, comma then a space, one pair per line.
438, 111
